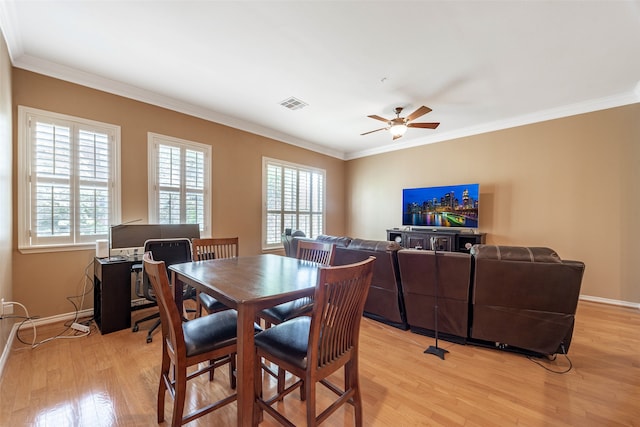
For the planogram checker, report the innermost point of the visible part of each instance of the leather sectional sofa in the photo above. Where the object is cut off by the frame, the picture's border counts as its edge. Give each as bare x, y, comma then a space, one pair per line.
520, 299
384, 302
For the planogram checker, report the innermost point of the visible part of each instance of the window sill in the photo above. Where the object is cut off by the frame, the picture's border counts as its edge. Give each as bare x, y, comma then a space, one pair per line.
56, 248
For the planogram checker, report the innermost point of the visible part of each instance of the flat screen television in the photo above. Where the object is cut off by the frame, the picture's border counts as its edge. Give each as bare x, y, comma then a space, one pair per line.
445, 206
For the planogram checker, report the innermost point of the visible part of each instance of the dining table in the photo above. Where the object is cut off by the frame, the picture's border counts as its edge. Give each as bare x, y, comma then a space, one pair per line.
247, 284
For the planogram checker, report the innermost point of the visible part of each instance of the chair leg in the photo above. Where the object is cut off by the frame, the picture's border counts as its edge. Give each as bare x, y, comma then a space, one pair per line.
151, 331
281, 379
257, 392
310, 392
136, 325
212, 371
198, 305
180, 396
232, 371
162, 386
352, 382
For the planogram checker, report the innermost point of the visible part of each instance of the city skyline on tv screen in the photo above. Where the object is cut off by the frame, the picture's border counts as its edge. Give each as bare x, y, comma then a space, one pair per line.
443, 206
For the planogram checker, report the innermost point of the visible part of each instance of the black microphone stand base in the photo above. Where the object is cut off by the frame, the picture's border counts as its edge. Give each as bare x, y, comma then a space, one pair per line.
440, 352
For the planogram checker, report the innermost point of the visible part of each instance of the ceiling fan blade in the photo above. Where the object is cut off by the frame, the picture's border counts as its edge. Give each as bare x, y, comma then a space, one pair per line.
419, 112
423, 125
371, 131
379, 118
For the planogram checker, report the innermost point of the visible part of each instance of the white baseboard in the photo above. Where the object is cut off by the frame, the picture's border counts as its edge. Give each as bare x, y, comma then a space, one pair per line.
59, 318
37, 322
7, 348
611, 301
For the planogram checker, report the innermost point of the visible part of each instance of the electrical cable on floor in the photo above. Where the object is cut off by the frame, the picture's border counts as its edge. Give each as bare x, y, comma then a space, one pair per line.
85, 292
553, 358
28, 318
68, 325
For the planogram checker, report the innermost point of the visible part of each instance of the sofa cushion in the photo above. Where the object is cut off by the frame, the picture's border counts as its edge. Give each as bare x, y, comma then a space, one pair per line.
515, 253
341, 241
374, 245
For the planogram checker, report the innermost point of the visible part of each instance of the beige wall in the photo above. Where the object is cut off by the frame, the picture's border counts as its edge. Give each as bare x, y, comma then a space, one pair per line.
43, 281
6, 178
580, 172
571, 184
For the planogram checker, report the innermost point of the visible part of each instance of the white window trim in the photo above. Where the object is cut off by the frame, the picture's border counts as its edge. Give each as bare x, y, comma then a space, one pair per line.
265, 162
153, 140
24, 174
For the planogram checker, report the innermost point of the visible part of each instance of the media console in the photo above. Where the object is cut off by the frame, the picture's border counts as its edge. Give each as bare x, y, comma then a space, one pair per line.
446, 240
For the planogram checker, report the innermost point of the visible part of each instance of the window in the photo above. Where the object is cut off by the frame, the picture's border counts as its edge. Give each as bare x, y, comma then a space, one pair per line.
294, 197
179, 177
69, 190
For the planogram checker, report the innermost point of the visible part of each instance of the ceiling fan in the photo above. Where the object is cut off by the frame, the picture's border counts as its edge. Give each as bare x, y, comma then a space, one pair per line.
398, 125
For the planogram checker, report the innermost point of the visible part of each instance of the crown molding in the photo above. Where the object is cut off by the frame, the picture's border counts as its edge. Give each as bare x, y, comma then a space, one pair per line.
93, 81
537, 117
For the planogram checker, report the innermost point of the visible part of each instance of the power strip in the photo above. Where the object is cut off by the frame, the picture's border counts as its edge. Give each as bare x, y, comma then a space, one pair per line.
80, 327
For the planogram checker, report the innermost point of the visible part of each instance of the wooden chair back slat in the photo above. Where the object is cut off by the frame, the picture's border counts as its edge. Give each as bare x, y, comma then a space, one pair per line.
215, 248
320, 252
339, 302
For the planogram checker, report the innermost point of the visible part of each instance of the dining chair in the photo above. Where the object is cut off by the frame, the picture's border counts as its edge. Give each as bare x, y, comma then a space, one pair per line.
309, 250
204, 339
206, 249
314, 347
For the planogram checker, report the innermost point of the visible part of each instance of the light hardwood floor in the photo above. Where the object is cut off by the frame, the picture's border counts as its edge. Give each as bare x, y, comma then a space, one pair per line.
111, 380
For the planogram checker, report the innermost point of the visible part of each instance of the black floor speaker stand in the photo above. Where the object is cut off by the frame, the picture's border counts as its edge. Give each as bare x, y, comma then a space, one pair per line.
434, 349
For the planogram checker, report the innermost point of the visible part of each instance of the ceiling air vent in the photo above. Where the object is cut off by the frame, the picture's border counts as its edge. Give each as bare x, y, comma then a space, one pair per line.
293, 103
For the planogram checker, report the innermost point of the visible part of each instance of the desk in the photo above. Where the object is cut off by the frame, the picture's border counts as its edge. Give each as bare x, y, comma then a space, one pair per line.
248, 284
112, 293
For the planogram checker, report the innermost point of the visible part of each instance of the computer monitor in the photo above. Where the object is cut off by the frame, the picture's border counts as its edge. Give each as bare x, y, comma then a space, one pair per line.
133, 236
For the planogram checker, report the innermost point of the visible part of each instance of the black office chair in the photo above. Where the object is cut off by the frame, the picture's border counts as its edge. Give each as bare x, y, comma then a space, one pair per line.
171, 251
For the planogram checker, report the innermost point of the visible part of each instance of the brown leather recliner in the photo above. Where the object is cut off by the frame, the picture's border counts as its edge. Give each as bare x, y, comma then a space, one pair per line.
524, 297
418, 275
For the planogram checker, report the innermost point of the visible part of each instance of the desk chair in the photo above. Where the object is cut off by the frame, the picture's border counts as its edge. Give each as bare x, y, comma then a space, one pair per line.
217, 248
312, 348
185, 344
171, 251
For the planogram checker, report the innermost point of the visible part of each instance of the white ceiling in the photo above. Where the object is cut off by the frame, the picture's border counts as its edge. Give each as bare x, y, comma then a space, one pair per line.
480, 65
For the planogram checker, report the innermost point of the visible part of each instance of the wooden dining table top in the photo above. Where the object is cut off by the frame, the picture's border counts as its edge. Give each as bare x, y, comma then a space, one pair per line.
248, 284
265, 280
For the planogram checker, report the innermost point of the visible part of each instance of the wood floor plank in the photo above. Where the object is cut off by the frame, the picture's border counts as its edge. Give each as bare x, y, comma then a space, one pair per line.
112, 380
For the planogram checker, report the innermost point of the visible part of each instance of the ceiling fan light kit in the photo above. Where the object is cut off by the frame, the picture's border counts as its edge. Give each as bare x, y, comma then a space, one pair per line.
398, 126
397, 130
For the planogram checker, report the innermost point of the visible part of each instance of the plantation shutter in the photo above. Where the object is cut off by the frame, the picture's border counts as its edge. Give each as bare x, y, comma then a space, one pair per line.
294, 199
179, 173
70, 173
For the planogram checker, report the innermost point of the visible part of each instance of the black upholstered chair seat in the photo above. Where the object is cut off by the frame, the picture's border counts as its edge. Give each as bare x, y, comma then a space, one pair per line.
210, 332
207, 333
288, 341
210, 304
288, 310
